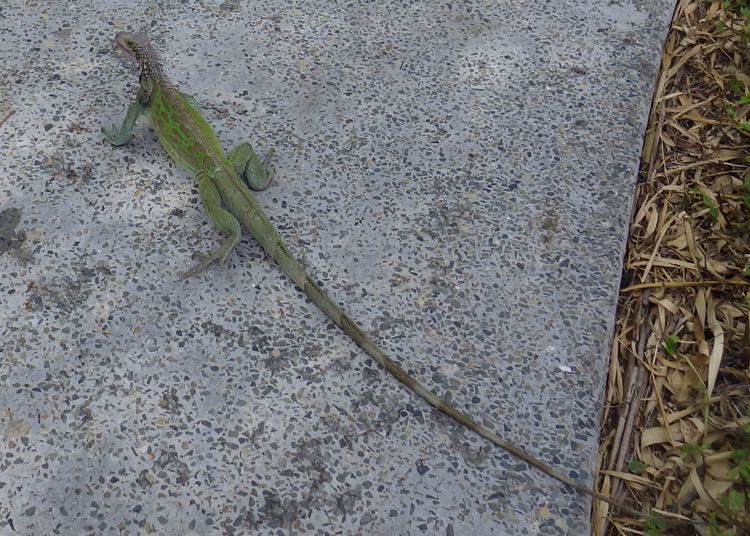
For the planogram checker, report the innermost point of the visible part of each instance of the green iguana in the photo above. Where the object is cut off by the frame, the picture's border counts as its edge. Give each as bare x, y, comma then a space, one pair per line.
193, 145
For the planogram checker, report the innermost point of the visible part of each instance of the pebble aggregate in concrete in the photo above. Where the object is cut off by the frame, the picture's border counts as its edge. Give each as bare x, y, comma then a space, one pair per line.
457, 174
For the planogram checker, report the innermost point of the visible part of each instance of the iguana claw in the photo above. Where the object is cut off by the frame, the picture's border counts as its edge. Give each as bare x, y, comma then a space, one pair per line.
199, 267
206, 259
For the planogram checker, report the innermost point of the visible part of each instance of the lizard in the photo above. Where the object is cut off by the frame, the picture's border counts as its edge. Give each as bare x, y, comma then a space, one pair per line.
224, 183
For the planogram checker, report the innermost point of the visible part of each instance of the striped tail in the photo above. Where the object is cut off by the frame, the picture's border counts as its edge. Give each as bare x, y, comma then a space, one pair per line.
279, 252
260, 226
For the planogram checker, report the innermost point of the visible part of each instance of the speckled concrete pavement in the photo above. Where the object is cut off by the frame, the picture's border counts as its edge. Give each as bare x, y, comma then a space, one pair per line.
457, 174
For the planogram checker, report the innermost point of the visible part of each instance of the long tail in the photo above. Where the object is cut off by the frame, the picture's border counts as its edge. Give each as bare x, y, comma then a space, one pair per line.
265, 233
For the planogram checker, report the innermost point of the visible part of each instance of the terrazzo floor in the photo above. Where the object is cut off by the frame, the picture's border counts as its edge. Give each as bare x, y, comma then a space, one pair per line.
458, 175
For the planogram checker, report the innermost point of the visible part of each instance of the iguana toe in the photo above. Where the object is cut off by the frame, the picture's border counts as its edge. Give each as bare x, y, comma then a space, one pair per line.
206, 259
220, 255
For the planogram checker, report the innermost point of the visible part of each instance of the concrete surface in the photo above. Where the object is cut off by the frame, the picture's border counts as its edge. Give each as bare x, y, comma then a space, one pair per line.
457, 174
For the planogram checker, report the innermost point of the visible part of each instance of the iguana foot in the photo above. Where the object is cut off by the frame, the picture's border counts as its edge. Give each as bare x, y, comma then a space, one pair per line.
247, 164
206, 259
219, 255
115, 136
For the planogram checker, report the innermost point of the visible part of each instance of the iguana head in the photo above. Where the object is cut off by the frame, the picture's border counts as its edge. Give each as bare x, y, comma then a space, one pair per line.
136, 46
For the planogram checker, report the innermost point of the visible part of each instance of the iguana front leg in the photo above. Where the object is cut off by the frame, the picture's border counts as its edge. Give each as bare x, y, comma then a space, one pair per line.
122, 135
222, 220
248, 166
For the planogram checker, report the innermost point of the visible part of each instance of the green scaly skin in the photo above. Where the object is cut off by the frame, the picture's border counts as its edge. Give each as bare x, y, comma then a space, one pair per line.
192, 144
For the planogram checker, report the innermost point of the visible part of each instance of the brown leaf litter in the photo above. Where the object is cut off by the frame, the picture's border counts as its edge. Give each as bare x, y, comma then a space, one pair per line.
676, 422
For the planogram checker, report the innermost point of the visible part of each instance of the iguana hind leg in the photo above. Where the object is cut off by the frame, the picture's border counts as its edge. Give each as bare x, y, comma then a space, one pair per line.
222, 220
247, 164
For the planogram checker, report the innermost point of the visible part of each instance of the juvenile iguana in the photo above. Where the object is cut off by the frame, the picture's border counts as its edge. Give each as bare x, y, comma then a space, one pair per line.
193, 145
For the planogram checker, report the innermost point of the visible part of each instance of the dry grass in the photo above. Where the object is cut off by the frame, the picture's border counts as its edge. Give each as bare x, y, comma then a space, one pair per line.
676, 426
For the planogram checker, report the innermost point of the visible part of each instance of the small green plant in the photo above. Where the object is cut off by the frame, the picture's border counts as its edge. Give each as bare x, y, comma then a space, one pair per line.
715, 530
733, 4
636, 467
695, 449
670, 344
742, 464
655, 525
713, 208
735, 86
733, 501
